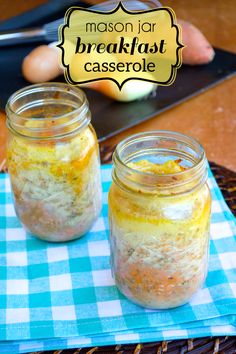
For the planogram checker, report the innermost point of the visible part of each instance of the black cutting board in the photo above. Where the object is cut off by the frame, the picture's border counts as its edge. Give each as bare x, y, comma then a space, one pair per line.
110, 117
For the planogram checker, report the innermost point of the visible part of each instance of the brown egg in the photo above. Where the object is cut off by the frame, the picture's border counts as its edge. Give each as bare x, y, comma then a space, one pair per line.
42, 64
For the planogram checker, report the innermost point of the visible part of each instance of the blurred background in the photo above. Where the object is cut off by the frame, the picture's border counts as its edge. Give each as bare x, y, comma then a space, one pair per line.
210, 116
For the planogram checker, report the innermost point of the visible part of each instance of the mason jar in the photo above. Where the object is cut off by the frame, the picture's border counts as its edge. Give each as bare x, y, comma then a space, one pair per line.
53, 161
159, 212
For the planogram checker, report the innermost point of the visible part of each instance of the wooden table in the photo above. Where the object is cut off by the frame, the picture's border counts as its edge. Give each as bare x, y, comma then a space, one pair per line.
209, 117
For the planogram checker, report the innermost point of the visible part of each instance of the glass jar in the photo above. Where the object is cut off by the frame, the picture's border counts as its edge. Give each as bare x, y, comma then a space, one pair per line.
53, 161
159, 212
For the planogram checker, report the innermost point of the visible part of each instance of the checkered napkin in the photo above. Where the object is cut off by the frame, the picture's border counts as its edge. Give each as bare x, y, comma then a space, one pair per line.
55, 296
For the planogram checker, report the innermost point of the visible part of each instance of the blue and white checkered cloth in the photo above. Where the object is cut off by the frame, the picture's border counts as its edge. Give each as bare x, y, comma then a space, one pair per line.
55, 296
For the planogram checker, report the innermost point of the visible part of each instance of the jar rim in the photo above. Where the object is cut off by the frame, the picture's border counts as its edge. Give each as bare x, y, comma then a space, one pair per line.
172, 182
161, 134
33, 88
79, 112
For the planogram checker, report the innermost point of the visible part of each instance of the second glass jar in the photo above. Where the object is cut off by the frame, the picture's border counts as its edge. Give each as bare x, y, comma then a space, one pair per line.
53, 161
159, 211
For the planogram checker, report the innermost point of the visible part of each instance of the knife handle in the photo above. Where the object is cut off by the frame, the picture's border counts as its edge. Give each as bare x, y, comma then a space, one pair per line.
22, 36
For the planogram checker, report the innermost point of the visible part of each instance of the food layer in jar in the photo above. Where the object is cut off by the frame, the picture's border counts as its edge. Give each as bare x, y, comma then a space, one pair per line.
159, 244
56, 184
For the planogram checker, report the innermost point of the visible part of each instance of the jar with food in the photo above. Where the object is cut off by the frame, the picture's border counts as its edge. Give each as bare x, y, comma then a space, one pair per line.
159, 211
53, 161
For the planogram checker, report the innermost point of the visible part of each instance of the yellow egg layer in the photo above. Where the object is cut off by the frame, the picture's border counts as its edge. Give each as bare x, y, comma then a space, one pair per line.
154, 214
65, 160
171, 166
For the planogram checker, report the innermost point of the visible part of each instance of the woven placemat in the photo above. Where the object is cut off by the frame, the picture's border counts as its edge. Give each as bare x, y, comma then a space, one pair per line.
219, 345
